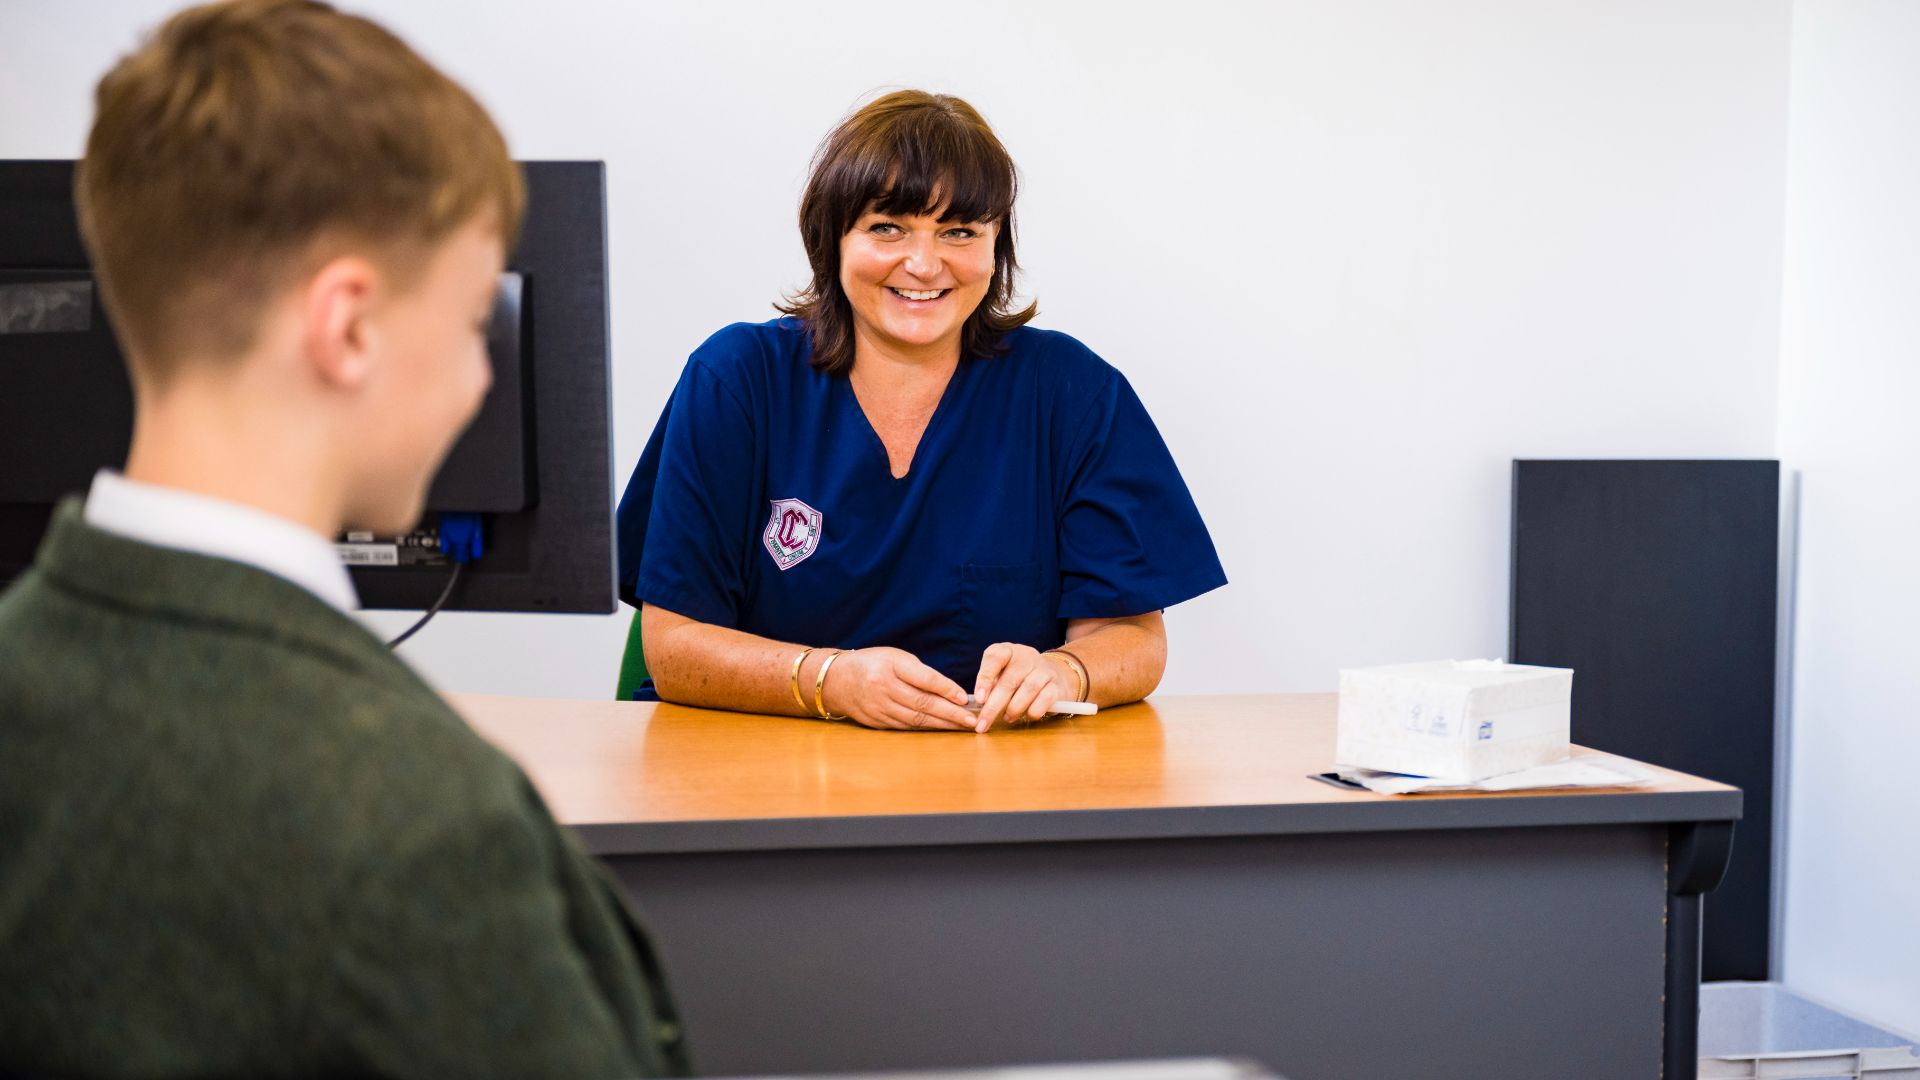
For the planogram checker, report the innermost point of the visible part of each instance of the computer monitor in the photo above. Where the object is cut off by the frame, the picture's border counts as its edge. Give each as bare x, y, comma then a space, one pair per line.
536, 465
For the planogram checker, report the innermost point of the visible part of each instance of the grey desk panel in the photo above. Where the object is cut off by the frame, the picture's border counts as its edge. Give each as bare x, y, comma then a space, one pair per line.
1362, 814
1184, 1069
1438, 953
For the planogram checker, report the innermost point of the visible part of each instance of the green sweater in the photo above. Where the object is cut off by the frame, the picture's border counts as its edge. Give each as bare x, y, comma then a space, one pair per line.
239, 837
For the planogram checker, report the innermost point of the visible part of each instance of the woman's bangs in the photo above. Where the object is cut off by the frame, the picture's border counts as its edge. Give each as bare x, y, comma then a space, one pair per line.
951, 171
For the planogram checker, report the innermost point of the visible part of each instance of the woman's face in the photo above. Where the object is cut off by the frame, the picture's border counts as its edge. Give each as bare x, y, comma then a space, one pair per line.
913, 280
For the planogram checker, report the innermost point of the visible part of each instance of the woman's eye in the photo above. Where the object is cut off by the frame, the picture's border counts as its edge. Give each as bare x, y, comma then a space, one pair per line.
962, 233
883, 228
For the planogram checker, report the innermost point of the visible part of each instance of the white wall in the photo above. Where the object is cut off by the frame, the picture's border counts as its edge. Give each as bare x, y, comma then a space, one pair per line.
1355, 255
1849, 384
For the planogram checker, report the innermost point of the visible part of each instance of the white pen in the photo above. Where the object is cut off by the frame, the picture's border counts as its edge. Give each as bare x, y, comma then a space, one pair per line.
1060, 708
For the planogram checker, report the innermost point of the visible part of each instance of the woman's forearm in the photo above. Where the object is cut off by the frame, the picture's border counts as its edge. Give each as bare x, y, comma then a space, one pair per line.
1124, 658
696, 663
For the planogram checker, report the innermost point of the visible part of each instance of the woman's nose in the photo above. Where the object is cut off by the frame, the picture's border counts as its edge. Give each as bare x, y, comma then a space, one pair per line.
923, 260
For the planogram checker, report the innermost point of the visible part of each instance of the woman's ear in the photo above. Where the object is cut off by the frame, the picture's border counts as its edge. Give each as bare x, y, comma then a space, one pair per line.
337, 334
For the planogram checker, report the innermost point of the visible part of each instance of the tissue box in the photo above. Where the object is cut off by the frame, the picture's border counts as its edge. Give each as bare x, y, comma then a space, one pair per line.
1457, 720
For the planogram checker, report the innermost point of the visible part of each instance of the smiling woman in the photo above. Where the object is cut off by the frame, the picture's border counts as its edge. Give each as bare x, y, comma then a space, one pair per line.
901, 489
913, 280
912, 167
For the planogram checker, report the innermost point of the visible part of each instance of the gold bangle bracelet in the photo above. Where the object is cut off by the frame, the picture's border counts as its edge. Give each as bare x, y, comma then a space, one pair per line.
820, 685
793, 677
1079, 667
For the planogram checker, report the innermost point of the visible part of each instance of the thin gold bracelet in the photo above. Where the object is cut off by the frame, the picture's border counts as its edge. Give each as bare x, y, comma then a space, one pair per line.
793, 677
820, 685
1079, 667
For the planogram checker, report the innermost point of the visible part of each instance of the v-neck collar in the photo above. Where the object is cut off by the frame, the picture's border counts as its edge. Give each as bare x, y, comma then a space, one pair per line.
879, 445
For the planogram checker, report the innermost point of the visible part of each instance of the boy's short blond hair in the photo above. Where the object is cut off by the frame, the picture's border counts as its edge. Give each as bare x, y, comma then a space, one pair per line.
245, 142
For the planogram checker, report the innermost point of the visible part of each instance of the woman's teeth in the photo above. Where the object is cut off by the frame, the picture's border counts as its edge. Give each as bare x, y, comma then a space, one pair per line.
916, 294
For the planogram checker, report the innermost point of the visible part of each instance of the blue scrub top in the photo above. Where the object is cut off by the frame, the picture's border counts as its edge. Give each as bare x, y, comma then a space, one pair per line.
1040, 492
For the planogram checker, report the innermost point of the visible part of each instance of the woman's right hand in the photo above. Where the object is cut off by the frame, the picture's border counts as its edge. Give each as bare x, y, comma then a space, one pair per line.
890, 688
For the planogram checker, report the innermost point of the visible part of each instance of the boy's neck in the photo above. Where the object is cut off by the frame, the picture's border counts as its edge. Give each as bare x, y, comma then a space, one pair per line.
209, 442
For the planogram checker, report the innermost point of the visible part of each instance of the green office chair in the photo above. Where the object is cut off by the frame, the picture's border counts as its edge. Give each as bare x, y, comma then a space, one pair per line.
633, 663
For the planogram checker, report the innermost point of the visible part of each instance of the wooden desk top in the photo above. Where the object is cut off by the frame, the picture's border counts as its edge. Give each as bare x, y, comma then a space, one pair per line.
634, 777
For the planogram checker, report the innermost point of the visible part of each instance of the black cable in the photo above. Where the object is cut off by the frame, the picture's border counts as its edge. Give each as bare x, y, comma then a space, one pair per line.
432, 611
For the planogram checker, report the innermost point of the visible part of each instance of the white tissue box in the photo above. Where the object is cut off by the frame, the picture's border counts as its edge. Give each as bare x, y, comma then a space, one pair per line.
1456, 720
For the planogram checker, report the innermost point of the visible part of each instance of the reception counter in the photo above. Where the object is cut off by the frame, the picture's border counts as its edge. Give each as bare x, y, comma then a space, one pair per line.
1160, 880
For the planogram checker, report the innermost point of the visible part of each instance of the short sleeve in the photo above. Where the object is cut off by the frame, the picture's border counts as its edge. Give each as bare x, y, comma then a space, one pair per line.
685, 511
1131, 539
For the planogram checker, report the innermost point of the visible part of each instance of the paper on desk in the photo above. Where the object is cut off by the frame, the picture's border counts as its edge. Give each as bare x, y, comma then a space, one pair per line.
1585, 769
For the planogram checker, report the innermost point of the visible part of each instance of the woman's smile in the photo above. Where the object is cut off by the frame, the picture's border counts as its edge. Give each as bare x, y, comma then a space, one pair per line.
918, 296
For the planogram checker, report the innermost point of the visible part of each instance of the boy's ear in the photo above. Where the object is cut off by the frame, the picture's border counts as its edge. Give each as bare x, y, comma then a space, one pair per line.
337, 333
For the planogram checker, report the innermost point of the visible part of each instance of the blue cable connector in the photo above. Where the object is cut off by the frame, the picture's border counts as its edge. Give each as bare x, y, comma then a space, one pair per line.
460, 537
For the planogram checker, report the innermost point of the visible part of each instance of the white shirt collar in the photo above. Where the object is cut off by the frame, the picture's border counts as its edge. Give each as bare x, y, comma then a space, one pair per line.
171, 518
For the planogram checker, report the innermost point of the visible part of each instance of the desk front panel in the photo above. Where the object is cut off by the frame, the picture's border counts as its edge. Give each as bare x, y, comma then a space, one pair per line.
1434, 954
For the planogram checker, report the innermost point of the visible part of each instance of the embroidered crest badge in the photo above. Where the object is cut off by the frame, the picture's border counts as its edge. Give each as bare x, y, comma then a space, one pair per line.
792, 533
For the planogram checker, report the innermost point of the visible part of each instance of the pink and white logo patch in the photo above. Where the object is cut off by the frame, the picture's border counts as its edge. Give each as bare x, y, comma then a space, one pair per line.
792, 533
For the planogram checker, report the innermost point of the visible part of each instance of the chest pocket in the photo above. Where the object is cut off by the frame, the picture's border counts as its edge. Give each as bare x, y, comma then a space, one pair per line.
1009, 603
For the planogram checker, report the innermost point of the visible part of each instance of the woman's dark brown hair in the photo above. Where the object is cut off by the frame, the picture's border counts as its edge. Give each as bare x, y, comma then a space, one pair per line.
909, 152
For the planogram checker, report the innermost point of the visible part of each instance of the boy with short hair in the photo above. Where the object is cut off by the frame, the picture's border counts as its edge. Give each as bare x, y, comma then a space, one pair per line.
237, 836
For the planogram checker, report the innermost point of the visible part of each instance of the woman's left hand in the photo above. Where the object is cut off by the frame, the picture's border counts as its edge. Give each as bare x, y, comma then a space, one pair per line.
1018, 682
